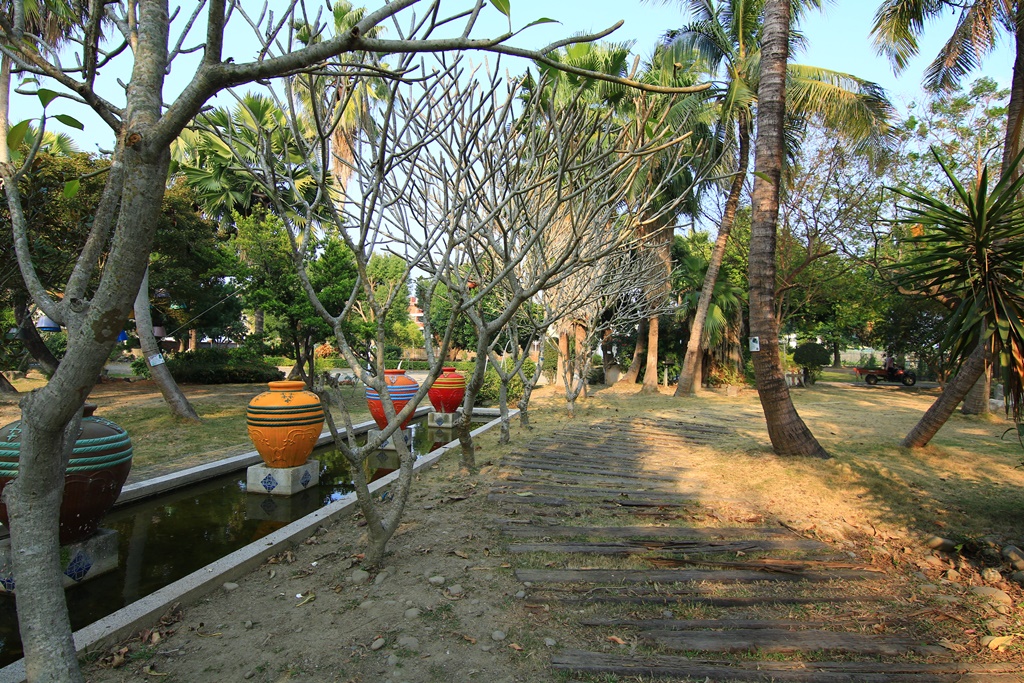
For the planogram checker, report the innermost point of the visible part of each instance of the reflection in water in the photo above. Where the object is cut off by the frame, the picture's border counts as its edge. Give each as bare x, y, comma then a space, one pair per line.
165, 538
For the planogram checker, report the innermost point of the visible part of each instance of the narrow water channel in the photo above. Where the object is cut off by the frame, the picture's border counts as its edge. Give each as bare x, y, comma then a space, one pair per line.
167, 537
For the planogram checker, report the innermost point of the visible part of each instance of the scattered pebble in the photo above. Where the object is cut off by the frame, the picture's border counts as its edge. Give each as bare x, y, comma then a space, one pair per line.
990, 575
249, 674
521, 594
527, 583
377, 644
929, 588
412, 613
939, 543
248, 625
1015, 556
359, 577
952, 600
1018, 577
436, 580
409, 643
953, 575
996, 625
550, 642
230, 586
456, 590
393, 660
381, 577
498, 636
485, 648
992, 594
366, 604
667, 614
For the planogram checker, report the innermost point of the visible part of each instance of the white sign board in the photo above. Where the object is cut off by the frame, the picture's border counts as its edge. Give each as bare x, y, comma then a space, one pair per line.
158, 359
755, 344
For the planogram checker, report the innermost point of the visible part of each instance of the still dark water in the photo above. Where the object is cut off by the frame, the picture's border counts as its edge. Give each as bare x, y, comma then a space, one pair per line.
164, 538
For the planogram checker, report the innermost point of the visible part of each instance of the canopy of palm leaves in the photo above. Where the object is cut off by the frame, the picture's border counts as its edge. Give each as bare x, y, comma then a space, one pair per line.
971, 249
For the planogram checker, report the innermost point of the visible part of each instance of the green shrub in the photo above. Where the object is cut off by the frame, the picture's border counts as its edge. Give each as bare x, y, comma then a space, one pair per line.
812, 358
492, 383
278, 360
221, 366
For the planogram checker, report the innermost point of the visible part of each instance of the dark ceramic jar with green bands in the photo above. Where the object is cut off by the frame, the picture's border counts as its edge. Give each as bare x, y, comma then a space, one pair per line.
99, 466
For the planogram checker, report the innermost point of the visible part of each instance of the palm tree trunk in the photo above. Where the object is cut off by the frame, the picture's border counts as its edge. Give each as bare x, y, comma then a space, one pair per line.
663, 247
946, 403
5, 105
639, 352
976, 400
788, 433
169, 389
650, 385
1015, 107
687, 383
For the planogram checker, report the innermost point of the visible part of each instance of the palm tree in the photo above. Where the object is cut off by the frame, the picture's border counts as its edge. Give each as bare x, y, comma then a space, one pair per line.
971, 251
726, 35
788, 433
899, 23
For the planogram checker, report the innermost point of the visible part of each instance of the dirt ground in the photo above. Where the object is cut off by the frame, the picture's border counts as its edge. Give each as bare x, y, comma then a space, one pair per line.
447, 607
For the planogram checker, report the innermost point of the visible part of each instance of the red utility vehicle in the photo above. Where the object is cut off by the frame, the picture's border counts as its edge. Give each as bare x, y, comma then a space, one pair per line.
875, 375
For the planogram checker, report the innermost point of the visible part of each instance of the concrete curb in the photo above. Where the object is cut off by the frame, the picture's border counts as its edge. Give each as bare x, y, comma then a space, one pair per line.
144, 612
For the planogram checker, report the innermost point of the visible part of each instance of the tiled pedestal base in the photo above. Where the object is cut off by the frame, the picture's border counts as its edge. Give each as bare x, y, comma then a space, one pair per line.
282, 481
389, 444
443, 420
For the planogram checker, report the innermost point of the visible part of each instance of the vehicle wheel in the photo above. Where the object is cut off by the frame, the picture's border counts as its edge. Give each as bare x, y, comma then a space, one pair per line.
909, 379
871, 379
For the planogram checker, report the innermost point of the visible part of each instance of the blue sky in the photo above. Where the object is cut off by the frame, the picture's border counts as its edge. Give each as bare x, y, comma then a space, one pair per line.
837, 39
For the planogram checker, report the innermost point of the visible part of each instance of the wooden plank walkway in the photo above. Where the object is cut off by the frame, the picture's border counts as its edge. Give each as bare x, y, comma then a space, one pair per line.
588, 470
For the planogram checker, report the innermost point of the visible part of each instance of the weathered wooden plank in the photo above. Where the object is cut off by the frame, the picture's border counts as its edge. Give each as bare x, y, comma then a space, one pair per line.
799, 672
593, 471
592, 492
694, 547
587, 480
665, 533
529, 500
681, 575
785, 641
707, 601
692, 624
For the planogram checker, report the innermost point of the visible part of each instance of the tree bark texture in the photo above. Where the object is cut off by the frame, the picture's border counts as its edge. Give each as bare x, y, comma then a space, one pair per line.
976, 400
788, 433
33, 343
6, 388
1015, 107
689, 378
639, 352
563, 358
650, 385
169, 389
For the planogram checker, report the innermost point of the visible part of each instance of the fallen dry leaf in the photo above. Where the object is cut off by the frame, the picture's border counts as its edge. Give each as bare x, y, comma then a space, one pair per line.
459, 553
471, 639
950, 645
151, 670
996, 642
616, 640
516, 647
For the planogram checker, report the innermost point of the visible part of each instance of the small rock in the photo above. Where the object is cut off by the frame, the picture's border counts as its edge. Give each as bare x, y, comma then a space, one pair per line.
953, 575
412, 613
380, 578
230, 586
996, 625
456, 590
366, 604
550, 642
521, 594
990, 575
929, 588
667, 614
249, 674
247, 625
377, 644
485, 648
921, 575
939, 543
359, 577
992, 594
498, 636
436, 580
409, 643
952, 600
1002, 609
1018, 577
393, 660
527, 583
1015, 556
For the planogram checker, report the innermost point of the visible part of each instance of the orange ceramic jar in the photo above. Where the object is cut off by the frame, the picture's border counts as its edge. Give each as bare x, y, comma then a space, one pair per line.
447, 391
285, 423
401, 389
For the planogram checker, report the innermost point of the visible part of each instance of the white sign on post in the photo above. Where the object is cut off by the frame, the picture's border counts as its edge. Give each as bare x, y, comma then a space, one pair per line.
158, 359
755, 344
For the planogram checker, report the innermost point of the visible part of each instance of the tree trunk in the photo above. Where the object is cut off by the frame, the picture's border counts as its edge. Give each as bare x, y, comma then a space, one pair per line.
639, 352
173, 396
563, 358
5, 106
1015, 107
33, 343
689, 377
976, 400
954, 392
258, 321
837, 355
6, 388
788, 433
650, 385
607, 357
